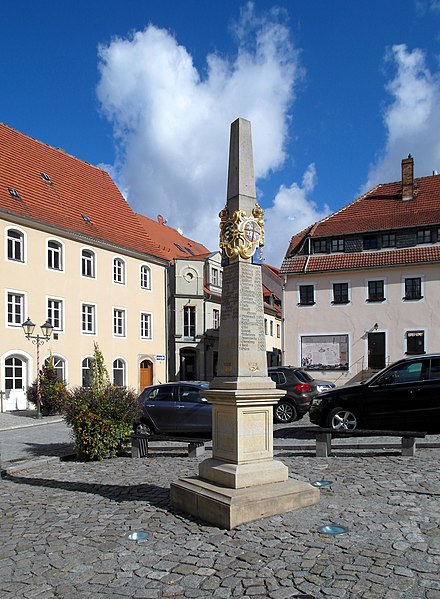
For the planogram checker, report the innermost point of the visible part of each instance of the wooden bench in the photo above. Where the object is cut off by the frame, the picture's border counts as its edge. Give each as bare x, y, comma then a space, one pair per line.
324, 438
139, 444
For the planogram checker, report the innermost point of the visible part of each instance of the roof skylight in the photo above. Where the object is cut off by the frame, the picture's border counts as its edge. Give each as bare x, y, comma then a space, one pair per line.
46, 177
14, 193
86, 219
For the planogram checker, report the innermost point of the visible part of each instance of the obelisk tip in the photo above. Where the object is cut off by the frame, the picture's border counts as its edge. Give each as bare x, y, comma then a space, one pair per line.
241, 181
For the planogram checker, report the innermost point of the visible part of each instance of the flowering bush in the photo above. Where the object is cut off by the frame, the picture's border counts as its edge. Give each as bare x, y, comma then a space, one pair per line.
52, 390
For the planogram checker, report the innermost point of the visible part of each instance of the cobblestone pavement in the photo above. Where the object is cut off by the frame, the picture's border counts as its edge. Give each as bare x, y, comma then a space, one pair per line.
64, 528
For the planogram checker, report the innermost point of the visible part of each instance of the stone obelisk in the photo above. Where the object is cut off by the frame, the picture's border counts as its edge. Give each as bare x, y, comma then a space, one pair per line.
242, 481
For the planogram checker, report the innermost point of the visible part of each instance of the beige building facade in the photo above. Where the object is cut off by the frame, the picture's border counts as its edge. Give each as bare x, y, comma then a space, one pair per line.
73, 253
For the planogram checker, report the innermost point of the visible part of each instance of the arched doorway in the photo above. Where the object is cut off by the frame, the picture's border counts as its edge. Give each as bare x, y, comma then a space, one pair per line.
16, 383
188, 365
145, 374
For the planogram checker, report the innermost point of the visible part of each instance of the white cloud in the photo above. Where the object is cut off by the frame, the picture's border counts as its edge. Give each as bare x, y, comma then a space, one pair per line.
292, 211
412, 119
171, 123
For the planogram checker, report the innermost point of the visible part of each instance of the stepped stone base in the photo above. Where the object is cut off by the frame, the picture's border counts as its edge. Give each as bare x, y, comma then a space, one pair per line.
228, 508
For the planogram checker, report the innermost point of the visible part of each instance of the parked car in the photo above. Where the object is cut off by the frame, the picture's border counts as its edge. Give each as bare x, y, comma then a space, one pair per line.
175, 408
301, 389
403, 396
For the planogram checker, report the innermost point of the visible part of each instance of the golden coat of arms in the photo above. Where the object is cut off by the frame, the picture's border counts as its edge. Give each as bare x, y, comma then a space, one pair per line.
240, 234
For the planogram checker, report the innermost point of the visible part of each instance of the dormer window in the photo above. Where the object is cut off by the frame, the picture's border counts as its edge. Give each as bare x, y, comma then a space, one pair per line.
388, 240
337, 245
320, 246
424, 236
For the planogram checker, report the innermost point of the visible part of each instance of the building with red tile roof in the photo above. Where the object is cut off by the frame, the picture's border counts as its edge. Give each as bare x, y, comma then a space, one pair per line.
361, 285
74, 252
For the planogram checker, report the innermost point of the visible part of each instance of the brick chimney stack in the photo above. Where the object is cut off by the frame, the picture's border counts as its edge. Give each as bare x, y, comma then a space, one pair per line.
408, 178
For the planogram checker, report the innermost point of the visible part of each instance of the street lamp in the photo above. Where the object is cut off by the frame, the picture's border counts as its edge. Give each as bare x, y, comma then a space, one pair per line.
46, 329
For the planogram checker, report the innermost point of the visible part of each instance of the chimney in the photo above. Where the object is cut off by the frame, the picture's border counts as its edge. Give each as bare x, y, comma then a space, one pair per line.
408, 178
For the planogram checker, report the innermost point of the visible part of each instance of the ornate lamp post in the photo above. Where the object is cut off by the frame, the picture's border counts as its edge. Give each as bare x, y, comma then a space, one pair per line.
46, 329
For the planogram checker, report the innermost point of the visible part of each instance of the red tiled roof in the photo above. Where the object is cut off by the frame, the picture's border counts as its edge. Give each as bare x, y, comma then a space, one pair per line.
329, 262
380, 209
76, 188
171, 242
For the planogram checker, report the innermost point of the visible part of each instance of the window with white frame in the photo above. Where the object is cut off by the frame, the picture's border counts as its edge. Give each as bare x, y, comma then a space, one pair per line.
86, 372
88, 265
271, 328
265, 326
54, 255
119, 271
278, 331
215, 318
189, 322
145, 277
15, 245
55, 313
15, 308
119, 375
88, 319
146, 325
118, 322
215, 280
59, 365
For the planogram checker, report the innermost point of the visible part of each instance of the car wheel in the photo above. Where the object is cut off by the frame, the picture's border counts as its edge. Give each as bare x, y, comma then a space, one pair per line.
143, 428
285, 412
342, 419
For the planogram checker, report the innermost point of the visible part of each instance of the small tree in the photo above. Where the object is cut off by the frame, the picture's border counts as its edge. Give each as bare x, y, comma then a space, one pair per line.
53, 390
98, 371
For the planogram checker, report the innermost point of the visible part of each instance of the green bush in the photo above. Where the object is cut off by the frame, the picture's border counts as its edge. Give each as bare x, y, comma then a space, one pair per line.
52, 390
101, 424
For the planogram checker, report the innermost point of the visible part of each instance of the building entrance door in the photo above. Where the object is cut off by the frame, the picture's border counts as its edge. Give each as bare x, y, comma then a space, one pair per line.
188, 365
376, 351
145, 374
15, 384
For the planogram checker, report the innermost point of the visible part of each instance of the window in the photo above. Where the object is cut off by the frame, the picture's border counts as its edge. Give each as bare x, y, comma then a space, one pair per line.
370, 242
86, 372
15, 309
375, 291
320, 246
306, 295
278, 331
271, 328
60, 366
324, 352
415, 342
189, 321
88, 319
337, 245
119, 322
119, 372
340, 293
15, 244
55, 313
405, 373
145, 326
145, 277
215, 279
265, 326
413, 289
54, 255
88, 263
388, 240
215, 319
119, 271
424, 236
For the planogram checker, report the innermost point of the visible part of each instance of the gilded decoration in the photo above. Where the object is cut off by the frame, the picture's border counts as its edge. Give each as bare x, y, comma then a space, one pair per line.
240, 234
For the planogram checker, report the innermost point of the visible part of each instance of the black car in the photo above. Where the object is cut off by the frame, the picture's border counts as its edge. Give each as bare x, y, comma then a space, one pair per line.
403, 396
175, 408
301, 389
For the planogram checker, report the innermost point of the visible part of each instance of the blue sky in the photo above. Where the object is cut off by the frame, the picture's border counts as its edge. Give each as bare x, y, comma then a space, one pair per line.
337, 93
